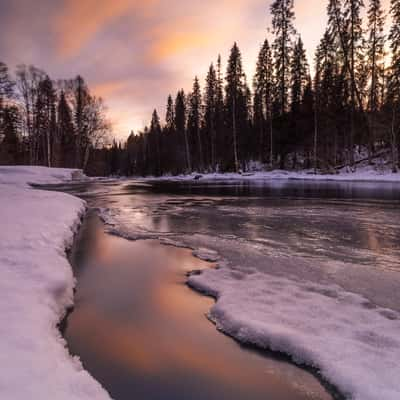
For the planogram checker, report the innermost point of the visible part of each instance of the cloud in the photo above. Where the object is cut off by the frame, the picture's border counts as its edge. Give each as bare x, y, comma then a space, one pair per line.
135, 52
79, 21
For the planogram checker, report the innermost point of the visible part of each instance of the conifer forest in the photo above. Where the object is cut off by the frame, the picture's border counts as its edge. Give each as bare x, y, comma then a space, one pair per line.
295, 113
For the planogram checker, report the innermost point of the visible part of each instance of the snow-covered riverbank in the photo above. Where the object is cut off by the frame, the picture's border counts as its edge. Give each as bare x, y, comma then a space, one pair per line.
36, 286
362, 174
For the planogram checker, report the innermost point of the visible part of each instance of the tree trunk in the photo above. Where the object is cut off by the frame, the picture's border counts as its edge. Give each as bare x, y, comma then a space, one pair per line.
86, 157
271, 144
315, 137
188, 159
235, 151
393, 141
201, 163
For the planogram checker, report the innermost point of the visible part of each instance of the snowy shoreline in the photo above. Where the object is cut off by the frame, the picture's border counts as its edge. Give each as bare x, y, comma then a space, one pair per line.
362, 174
37, 287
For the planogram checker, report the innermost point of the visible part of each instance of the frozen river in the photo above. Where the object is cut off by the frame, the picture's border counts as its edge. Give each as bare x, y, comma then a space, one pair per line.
323, 255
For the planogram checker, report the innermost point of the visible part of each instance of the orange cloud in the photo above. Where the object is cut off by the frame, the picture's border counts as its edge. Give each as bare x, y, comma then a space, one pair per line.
111, 88
177, 43
80, 20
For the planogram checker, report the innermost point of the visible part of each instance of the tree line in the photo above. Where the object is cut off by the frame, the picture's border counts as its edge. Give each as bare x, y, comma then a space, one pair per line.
49, 123
347, 110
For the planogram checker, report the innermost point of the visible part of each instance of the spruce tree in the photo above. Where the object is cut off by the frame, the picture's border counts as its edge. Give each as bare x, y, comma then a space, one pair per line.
375, 63
394, 81
327, 96
283, 29
210, 115
81, 100
263, 97
194, 120
45, 126
299, 76
299, 81
155, 139
220, 115
180, 125
170, 116
235, 86
353, 25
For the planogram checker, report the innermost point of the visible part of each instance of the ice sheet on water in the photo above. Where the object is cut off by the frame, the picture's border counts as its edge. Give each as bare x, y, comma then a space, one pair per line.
355, 347
309, 311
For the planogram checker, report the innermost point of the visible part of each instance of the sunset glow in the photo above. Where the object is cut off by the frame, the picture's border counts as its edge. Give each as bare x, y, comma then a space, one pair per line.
134, 53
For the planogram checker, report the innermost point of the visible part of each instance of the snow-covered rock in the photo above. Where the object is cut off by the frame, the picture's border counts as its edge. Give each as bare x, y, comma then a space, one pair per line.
36, 288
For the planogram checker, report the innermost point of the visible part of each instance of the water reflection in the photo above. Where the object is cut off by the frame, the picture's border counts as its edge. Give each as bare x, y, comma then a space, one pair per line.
143, 334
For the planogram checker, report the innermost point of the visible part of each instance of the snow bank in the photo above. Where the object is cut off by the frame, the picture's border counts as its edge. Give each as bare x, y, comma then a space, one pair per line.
36, 287
353, 343
362, 174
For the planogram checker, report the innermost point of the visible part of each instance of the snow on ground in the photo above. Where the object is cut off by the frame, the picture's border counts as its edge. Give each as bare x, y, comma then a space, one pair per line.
36, 287
354, 347
362, 174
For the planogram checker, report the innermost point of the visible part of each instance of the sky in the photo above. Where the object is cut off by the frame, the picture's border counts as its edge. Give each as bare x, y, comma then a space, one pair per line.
134, 53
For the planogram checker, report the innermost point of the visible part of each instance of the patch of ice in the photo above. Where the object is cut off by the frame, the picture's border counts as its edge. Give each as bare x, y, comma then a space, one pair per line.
206, 254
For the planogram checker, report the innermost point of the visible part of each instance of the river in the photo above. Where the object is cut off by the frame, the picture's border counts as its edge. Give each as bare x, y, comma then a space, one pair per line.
143, 333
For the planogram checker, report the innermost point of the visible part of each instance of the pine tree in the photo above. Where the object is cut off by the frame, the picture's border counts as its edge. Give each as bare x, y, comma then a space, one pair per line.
210, 114
194, 120
299, 76
170, 115
180, 124
375, 62
353, 25
394, 81
283, 29
81, 100
155, 138
327, 96
235, 85
45, 121
299, 82
220, 115
263, 97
